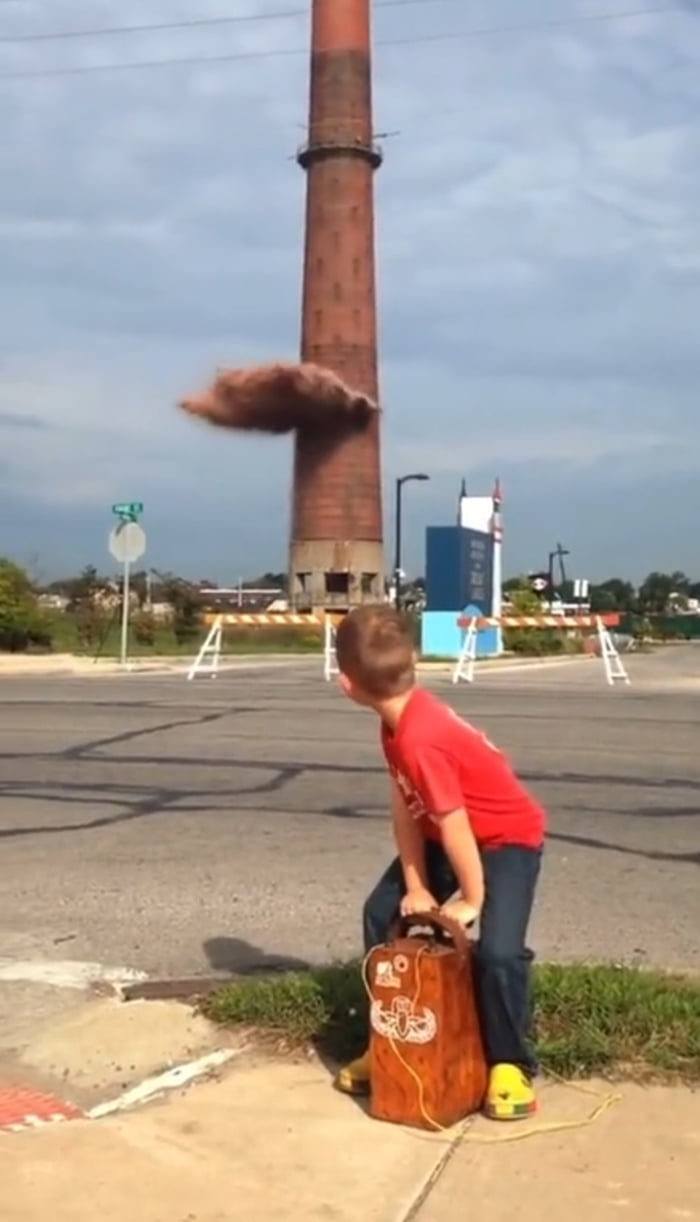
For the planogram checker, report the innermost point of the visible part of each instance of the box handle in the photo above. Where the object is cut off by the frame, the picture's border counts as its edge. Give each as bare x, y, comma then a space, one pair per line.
442, 929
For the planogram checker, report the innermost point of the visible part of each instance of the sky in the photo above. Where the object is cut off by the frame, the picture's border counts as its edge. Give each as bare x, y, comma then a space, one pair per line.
538, 221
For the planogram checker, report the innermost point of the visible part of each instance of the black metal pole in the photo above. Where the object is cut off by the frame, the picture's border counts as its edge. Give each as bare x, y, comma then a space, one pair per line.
550, 577
397, 546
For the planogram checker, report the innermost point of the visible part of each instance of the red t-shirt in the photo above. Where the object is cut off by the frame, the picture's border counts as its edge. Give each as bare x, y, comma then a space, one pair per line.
441, 764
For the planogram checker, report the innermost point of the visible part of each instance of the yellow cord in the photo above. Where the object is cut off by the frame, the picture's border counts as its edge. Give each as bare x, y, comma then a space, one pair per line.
605, 1101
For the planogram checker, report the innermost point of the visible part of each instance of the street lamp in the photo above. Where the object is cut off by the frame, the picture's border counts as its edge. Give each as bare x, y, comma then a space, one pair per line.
559, 555
403, 479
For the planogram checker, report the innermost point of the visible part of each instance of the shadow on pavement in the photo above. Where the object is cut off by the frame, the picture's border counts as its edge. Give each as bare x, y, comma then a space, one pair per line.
228, 958
236, 957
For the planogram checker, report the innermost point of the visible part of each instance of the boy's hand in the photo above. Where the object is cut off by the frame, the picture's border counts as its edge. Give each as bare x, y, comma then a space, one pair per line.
460, 911
416, 903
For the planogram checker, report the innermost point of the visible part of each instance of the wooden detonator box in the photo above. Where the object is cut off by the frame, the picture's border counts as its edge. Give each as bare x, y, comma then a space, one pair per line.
427, 1062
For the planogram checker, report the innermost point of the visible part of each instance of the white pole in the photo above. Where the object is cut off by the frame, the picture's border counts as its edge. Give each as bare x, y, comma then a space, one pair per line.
497, 602
497, 578
125, 612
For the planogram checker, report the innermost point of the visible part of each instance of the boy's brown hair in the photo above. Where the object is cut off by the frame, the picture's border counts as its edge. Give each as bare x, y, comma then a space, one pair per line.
375, 650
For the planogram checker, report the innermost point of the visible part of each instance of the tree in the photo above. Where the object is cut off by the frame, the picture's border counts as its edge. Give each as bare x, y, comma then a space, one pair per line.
21, 623
144, 628
680, 593
613, 595
139, 586
186, 605
514, 583
681, 582
659, 594
83, 588
269, 581
83, 602
523, 599
655, 593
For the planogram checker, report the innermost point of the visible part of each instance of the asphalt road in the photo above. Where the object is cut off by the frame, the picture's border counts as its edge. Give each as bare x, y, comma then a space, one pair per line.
182, 827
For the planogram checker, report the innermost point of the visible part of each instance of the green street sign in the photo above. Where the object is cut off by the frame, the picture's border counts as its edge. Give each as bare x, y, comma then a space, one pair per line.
128, 509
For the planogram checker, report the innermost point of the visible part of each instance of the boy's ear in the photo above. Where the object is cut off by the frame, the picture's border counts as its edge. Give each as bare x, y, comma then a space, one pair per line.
345, 683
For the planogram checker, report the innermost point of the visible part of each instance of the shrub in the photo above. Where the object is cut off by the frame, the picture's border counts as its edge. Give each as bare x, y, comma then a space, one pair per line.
187, 612
22, 625
91, 625
144, 628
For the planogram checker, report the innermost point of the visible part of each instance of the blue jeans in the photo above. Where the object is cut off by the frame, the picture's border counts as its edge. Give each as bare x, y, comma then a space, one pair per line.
502, 960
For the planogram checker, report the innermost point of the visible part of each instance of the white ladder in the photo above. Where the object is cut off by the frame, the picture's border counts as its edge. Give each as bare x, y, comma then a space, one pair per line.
207, 660
467, 654
612, 662
330, 661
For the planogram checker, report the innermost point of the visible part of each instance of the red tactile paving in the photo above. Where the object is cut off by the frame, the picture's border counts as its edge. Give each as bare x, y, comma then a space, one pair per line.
22, 1108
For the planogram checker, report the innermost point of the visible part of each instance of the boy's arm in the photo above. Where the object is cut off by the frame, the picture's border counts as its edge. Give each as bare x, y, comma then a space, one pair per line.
411, 850
463, 852
438, 782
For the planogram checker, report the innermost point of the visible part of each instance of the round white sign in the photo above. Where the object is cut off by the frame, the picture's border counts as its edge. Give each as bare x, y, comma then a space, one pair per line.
127, 542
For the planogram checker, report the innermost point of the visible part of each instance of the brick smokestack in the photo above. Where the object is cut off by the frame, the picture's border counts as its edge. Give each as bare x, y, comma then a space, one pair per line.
336, 555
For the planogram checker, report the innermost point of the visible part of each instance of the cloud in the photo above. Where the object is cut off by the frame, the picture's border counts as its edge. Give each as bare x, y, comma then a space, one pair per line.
20, 420
539, 274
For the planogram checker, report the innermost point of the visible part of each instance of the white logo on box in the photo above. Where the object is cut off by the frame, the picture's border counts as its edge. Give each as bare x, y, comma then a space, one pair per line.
402, 1022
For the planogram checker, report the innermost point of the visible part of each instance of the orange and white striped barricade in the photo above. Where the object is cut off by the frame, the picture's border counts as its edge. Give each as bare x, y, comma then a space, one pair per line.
612, 662
263, 619
209, 656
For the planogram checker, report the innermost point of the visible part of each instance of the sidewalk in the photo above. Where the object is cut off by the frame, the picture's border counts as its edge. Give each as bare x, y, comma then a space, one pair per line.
62, 664
638, 1159
272, 1140
266, 1142
79, 666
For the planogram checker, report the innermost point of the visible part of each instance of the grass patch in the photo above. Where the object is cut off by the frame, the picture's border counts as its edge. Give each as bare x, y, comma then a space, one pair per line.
268, 639
325, 1005
588, 1020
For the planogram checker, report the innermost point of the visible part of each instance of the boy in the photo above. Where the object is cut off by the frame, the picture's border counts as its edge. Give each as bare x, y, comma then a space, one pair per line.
464, 824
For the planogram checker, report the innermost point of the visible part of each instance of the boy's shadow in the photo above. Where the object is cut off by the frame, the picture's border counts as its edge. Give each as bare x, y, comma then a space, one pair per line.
228, 958
236, 957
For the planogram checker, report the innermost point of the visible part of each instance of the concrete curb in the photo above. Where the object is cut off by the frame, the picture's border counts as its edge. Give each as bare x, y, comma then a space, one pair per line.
509, 665
69, 666
22, 1108
158, 1085
72, 666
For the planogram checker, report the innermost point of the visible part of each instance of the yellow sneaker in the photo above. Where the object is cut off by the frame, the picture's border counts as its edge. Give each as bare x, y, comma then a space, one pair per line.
353, 1079
510, 1095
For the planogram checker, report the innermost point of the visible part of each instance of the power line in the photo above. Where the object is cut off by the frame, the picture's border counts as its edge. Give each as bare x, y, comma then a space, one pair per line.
204, 22
451, 36
191, 23
186, 24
